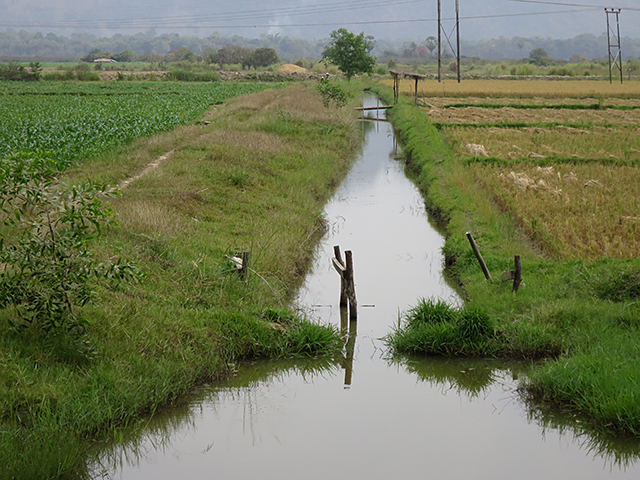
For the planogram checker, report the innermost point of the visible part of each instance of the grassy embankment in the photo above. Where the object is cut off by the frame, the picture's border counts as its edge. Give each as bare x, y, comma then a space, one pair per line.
569, 209
251, 175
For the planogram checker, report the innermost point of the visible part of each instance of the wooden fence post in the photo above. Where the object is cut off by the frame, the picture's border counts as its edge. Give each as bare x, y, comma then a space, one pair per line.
517, 278
483, 265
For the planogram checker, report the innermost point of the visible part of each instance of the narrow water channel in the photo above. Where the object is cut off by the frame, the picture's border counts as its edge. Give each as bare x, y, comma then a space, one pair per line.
370, 417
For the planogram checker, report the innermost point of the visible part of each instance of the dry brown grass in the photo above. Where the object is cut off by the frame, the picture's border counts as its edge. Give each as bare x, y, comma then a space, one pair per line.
533, 100
154, 218
519, 88
574, 211
512, 115
257, 141
308, 105
509, 143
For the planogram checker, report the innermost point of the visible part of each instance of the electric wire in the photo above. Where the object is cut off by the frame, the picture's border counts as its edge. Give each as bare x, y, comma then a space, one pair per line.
564, 4
138, 26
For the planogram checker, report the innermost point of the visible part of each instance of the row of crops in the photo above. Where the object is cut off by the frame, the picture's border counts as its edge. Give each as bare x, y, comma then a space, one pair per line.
76, 121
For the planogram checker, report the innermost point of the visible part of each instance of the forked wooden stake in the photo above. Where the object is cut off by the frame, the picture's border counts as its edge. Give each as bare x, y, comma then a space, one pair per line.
347, 284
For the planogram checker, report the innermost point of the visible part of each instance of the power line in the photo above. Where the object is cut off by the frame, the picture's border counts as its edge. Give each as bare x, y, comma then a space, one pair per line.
563, 4
97, 23
229, 16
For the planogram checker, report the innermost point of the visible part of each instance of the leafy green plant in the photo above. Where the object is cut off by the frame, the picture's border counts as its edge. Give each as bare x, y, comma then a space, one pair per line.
332, 93
47, 269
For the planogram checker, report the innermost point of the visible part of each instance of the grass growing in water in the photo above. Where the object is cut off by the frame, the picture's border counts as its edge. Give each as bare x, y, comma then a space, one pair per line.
434, 327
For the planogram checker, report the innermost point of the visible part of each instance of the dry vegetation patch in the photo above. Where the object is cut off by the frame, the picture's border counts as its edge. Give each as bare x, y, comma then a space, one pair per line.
440, 101
308, 105
597, 143
575, 211
560, 89
476, 115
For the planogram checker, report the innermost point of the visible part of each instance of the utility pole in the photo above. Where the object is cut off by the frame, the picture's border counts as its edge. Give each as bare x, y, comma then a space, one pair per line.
613, 38
439, 42
458, 35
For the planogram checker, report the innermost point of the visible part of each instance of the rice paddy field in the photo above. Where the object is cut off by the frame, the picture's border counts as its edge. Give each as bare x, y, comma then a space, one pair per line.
562, 157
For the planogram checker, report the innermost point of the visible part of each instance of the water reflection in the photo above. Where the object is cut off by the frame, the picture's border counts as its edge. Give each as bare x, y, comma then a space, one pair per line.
618, 452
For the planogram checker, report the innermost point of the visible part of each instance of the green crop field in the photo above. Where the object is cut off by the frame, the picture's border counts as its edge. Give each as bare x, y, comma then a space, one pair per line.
75, 121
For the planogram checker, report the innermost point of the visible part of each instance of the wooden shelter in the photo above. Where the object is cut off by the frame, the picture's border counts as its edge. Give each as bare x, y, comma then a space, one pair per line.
396, 83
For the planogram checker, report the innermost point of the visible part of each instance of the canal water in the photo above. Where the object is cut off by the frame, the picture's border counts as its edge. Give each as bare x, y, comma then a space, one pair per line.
368, 416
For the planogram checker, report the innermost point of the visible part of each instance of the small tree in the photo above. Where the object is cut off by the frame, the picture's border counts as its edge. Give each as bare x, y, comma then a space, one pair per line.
231, 54
125, 56
47, 269
350, 52
431, 43
540, 57
263, 57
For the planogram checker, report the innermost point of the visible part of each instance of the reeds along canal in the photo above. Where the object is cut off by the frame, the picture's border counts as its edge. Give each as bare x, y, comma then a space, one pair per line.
369, 416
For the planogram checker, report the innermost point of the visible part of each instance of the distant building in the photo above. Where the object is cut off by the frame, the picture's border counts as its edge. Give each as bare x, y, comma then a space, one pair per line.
104, 60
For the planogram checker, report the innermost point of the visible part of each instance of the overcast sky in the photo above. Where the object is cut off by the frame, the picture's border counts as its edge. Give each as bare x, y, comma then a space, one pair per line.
315, 19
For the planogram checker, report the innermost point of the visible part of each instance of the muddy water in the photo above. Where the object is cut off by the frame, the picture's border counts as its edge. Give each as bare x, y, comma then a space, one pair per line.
366, 416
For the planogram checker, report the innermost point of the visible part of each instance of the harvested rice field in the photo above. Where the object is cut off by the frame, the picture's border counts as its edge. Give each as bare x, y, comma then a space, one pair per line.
516, 116
606, 144
561, 157
511, 89
588, 211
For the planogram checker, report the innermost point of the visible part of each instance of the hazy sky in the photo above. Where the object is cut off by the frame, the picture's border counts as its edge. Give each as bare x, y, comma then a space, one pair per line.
401, 19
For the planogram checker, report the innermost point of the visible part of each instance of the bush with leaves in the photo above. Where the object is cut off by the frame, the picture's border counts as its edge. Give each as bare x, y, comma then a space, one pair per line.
332, 93
46, 267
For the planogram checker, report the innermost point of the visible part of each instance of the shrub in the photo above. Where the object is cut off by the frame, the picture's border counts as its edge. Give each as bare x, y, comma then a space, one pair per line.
47, 268
332, 93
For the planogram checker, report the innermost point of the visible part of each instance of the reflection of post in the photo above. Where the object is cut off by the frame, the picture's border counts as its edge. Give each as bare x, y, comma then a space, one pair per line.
350, 349
344, 321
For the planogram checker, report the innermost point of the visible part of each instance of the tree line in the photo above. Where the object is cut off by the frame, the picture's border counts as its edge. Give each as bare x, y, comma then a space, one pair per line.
150, 46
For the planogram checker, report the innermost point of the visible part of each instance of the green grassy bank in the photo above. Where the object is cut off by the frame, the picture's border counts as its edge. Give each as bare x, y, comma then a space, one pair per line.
582, 318
251, 175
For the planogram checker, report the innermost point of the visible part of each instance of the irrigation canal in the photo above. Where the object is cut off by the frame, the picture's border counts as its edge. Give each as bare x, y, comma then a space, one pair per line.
370, 418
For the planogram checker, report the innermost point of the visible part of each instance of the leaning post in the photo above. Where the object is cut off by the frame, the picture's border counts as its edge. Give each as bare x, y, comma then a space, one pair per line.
478, 255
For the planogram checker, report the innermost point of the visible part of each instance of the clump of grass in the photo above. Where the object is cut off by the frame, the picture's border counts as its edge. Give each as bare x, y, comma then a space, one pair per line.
434, 327
602, 381
621, 286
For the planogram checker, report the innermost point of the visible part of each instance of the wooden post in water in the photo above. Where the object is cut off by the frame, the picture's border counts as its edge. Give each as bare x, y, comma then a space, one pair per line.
347, 285
351, 288
340, 267
483, 265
